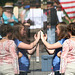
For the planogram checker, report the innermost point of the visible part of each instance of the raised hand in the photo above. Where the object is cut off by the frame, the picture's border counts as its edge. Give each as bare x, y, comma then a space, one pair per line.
43, 36
37, 36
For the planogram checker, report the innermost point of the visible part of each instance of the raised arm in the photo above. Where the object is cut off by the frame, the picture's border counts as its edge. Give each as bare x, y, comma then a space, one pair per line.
31, 45
49, 46
31, 51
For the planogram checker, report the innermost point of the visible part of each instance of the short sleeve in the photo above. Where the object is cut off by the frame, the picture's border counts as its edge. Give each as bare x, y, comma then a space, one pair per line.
61, 41
17, 42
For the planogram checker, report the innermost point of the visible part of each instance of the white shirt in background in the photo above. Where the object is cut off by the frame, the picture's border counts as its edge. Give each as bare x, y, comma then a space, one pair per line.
60, 14
38, 17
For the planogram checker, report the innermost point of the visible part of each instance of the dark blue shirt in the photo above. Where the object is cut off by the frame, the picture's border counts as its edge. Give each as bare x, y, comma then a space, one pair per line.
23, 61
56, 59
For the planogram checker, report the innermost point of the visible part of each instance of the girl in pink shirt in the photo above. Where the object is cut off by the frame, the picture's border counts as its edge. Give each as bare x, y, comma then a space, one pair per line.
8, 55
67, 65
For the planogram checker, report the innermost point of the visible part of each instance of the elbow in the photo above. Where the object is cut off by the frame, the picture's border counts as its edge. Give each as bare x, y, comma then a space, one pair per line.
30, 53
50, 51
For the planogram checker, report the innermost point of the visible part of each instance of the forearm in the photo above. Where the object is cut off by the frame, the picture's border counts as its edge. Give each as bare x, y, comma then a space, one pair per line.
46, 44
34, 43
67, 19
31, 51
51, 46
27, 46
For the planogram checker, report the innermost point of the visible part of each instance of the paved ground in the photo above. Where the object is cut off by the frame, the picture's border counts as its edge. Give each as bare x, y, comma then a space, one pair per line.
35, 67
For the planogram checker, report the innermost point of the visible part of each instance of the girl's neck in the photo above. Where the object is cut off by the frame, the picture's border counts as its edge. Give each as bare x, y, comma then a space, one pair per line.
72, 36
5, 38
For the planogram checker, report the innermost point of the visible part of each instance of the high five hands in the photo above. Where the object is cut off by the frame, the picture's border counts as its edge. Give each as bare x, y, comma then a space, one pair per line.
43, 36
40, 35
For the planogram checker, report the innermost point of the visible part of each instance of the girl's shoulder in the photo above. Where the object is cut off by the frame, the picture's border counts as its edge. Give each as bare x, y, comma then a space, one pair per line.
69, 41
10, 42
17, 42
62, 40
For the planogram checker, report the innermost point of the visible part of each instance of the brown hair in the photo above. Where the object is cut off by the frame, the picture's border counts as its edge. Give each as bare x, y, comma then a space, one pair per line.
16, 31
63, 30
71, 28
5, 29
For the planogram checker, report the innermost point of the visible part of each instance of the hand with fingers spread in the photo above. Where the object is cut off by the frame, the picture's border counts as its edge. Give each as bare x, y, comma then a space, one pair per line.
35, 36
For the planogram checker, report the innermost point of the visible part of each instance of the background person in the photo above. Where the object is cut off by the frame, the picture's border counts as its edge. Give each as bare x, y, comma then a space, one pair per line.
8, 16
1, 11
61, 14
51, 22
1, 19
18, 9
25, 13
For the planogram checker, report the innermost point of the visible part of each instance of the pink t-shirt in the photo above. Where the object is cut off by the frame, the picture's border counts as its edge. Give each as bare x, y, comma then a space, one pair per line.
68, 54
8, 54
